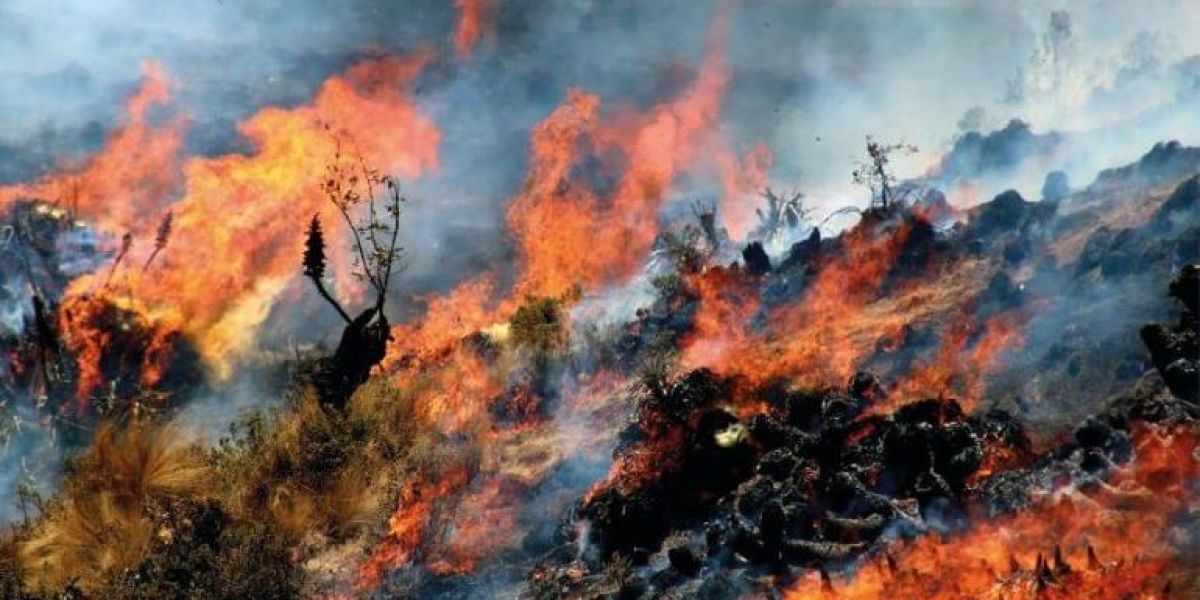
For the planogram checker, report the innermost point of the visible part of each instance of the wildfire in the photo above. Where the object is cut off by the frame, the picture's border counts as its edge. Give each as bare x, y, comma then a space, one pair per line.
407, 526
967, 353
568, 232
132, 178
236, 218
1050, 551
822, 337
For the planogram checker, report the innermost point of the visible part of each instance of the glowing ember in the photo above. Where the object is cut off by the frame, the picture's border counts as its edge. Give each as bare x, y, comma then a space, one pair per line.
1126, 527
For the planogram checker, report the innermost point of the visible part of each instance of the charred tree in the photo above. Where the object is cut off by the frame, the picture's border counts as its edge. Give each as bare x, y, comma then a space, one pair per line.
876, 174
370, 205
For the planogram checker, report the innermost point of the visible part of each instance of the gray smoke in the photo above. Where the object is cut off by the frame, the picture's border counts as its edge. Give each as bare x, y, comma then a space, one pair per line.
811, 79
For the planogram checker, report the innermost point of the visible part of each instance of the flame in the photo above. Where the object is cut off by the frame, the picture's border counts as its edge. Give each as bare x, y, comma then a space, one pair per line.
485, 522
92, 326
472, 22
407, 526
1126, 521
133, 176
741, 182
821, 338
722, 300
237, 225
960, 366
567, 233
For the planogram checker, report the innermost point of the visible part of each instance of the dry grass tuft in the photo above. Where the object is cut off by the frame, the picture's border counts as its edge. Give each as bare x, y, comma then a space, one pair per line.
316, 471
100, 522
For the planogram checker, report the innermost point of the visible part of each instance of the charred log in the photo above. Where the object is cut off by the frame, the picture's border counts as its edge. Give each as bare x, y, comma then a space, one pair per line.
363, 345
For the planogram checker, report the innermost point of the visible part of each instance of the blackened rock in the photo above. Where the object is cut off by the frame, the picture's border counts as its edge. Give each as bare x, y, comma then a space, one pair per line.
837, 409
854, 529
771, 524
1183, 377
717, 586
1055, 187
1016, 251
1005, 212
1002, 426
929, 411
1000, 294
752, 495
1120, 447
931, 487
1186, 287
623, 522
1182, 206
684, 560
632, 589
715, 533
1094, 461
1173, 354
778, 464
957, 453
806, 551
756, 259
918, 245
847, 494
803, 252
1093, 433
746, 542
771, 433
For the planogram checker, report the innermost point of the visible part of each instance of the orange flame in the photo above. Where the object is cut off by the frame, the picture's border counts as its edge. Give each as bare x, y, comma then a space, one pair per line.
485, 522
957, 370
407, 526
472, 22
132, 177
567, 233
1125, 521
741, 183
238, 224
819, 339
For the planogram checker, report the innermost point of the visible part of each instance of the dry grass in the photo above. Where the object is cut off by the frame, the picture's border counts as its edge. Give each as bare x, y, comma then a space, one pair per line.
314, 478
101, 524
321, 471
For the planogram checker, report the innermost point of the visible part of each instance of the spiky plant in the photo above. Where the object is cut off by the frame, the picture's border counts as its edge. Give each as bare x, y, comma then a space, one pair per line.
160, 238
314, 263
126, 243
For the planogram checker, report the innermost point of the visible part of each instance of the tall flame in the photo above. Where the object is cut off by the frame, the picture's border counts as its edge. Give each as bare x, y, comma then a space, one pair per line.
238, 221
132, 177
566, 231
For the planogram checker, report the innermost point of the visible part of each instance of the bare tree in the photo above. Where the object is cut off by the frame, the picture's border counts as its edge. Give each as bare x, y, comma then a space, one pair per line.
875, 174
351, 186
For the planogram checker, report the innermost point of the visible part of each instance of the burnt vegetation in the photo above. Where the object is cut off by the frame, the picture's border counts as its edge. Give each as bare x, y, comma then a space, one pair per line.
721, 484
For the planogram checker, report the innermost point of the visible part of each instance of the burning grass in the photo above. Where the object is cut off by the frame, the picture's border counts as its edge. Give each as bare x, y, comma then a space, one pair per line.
727, 439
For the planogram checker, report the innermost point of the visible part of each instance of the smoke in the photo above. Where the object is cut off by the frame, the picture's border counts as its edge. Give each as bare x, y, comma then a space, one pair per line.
810, 80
